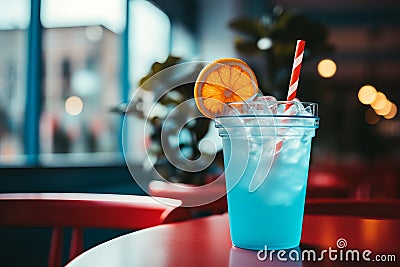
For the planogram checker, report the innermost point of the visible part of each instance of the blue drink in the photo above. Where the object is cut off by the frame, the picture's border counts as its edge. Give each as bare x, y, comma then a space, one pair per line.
266, 158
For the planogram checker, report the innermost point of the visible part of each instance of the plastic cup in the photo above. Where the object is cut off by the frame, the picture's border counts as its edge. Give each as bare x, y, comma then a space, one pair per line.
266, 158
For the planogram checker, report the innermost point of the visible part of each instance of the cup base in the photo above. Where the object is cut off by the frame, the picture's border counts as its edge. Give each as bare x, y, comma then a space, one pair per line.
266, 247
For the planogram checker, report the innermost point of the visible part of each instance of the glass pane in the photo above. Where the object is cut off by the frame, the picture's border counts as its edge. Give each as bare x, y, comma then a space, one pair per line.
183, 43
149, 38
71, 13
149, 41
81, 51
13, 54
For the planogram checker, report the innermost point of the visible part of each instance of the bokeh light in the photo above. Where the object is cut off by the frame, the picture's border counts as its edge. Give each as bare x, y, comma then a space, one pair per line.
73, 105
327, 68
379, 101
94, 33
392, 113
367, 94
385, 110
371, 117
264, 43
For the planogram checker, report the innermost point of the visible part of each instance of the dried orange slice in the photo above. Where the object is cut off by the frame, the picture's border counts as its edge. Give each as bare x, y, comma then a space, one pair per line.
222, 81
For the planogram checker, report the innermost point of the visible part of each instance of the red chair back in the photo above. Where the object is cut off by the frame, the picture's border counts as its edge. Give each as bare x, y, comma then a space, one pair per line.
368, 208
213, 196
79, 211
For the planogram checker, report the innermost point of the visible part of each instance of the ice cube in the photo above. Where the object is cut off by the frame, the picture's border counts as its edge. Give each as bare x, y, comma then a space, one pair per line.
232, 109
254, 146
294, 108
307, 111
261, 154
263, 104
292, 144
269, 100
291, 156
254, 97
266, 98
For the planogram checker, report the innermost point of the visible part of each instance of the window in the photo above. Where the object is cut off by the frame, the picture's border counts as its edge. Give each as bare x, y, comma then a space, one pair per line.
89, 63
81, 53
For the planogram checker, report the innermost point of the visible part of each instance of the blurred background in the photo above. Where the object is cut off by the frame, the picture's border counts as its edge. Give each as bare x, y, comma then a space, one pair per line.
65, 66
68, 66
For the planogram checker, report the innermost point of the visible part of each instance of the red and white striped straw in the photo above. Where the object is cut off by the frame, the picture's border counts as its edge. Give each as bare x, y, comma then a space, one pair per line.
294, 77
294, 81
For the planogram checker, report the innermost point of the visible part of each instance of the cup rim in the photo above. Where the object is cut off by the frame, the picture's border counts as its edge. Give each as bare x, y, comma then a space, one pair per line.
314, 110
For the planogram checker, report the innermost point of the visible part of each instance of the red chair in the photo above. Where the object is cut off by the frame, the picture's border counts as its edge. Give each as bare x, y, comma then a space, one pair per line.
79, 211
368, 208
196, 201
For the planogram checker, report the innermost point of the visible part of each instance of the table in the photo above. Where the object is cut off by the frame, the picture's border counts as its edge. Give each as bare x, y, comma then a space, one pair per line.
206, 242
